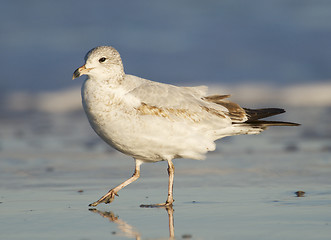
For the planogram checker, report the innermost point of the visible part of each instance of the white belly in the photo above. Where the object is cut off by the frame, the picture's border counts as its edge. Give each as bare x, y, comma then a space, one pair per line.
149, 138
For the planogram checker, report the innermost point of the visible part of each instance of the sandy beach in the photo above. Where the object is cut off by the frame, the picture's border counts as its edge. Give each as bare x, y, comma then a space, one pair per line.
53, 166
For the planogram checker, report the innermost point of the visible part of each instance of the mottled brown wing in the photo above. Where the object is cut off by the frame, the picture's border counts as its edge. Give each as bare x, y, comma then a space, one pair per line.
236, 113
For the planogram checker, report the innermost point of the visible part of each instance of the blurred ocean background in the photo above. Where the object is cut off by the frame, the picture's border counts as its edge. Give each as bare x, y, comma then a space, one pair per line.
276, 43
273, 53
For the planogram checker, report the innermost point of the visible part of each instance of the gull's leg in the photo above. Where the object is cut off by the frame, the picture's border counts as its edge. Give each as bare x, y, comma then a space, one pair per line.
170, 199
109, 197
171, 173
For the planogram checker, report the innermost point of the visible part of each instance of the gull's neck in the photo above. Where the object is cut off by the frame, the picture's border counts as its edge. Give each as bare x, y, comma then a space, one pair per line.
113, 77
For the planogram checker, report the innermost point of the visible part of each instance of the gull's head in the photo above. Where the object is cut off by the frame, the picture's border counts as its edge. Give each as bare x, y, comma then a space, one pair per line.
102, 62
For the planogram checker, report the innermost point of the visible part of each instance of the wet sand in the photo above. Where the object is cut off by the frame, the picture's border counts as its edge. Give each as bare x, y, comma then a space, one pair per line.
245, 190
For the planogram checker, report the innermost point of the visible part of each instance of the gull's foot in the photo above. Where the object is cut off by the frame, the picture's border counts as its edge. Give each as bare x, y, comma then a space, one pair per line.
108, 198
158, 205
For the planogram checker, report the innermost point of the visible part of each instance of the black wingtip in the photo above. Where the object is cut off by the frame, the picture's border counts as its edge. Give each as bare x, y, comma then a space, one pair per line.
271, 123
255, 114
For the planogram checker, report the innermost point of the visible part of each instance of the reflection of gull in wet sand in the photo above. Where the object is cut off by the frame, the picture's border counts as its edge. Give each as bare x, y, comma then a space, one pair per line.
128, 230
152, 122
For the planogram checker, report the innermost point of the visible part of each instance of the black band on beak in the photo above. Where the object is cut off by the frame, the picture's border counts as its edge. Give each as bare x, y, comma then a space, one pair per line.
76, 73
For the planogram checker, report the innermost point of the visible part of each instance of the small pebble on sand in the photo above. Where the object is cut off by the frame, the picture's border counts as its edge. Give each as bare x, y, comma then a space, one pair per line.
300, 193
186, 236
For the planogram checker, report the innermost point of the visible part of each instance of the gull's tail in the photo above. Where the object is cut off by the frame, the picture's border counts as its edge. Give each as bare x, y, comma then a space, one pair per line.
254, 116
253, 124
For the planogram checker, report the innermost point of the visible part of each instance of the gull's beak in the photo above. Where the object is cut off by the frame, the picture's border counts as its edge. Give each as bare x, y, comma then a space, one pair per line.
80, 71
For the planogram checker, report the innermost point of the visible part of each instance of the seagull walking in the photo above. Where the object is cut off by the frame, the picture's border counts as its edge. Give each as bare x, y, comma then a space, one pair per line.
152, 121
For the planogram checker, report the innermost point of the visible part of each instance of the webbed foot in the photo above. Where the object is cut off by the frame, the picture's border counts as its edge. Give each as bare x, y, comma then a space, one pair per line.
158, 205
108, 198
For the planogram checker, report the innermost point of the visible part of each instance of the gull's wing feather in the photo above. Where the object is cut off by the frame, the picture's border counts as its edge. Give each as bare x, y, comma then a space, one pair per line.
235, 112
165, 99
168, 96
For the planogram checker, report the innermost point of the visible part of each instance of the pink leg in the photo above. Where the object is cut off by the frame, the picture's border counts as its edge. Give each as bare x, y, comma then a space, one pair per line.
109, 197
170, 199
171, 173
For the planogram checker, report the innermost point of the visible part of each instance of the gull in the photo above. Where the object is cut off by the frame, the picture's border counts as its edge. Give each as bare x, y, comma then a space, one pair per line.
152, 121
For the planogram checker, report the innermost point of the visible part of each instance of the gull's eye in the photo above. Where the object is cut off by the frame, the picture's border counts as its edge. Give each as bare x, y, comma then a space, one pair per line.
101, 60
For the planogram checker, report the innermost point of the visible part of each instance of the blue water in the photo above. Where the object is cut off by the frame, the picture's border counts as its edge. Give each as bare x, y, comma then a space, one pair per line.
183, 42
